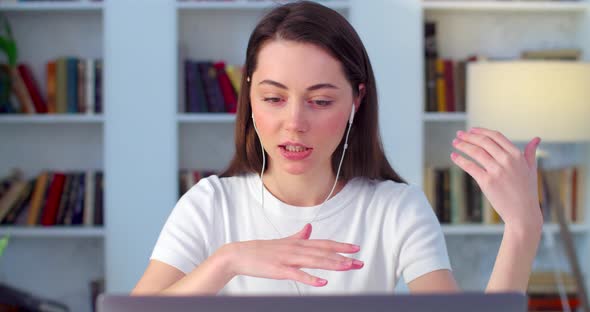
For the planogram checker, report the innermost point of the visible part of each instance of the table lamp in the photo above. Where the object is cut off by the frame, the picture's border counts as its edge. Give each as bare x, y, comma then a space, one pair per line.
523, 99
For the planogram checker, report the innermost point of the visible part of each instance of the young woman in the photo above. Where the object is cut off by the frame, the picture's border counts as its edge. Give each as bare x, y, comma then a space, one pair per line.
309, 100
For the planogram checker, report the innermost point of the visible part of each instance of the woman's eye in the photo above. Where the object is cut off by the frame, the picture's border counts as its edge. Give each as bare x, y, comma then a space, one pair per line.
272, 99
322, 102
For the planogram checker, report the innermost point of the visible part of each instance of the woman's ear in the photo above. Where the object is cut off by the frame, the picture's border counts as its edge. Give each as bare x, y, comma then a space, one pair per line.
360, 97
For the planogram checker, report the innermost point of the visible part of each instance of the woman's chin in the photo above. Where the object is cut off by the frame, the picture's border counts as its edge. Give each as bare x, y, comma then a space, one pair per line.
296, 169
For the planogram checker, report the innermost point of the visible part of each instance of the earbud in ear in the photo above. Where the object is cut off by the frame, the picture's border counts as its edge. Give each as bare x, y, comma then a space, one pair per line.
351, 114
254, 123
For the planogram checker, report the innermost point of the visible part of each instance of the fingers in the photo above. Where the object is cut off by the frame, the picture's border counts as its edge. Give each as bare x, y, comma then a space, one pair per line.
305, 278
470, 167
305, 233
499, 139
330, 245
482, 148
477, 153
324, 263
323, 253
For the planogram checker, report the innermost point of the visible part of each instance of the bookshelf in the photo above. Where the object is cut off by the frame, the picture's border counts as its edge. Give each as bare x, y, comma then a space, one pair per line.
56, 262
178, 139
506, 6
54, 119
498, 229
502, 29
144, 138
215, 118
81, 5
52, 232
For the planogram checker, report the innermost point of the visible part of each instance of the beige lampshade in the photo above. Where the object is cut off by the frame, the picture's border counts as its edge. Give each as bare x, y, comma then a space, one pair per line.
524, 99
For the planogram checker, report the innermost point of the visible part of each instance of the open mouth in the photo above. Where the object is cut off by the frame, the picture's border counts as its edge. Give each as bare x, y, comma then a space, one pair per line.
294, 148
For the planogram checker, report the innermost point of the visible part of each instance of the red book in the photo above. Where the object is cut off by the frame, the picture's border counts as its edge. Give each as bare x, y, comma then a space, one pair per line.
33, 88
552, 303
227, 90
450, 85
53, 198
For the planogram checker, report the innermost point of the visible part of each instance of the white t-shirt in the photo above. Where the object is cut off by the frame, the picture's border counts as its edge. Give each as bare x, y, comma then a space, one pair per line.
393, 223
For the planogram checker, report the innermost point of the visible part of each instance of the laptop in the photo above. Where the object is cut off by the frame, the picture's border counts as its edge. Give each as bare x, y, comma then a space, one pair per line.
457, 302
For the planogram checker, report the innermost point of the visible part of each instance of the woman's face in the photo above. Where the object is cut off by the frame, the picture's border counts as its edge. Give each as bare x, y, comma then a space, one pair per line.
301, 103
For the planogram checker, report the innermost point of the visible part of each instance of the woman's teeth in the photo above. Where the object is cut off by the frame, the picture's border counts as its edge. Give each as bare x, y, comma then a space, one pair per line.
291, 148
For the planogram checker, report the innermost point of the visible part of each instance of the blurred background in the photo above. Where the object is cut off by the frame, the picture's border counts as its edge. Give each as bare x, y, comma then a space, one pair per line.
110, 110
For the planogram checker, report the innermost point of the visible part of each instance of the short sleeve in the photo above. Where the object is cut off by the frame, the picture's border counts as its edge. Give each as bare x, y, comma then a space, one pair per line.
184, 239
422, 248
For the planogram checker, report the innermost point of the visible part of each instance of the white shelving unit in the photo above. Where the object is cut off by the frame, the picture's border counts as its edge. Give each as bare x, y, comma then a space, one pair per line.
143, 139
501, 29
53, 262
51, 7
52, 232
247, 5
507, 6
215, 118
498, 229
56, 119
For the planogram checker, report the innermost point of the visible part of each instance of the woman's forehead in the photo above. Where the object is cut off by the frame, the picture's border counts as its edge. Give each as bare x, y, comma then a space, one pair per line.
290, 62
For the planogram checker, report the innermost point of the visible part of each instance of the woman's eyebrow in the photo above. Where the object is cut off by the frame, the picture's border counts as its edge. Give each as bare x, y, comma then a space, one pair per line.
312, 88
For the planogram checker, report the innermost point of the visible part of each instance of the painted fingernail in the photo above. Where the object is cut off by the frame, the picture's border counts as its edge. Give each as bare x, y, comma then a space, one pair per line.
460, 133
455, 141
355, 247
358, 263
322, 281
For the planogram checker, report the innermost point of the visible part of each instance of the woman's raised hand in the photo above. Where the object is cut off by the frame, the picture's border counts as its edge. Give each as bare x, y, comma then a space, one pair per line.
506, 175
284, 258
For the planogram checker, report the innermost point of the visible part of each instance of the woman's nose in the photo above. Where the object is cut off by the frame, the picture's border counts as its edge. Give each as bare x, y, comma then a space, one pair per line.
296, 118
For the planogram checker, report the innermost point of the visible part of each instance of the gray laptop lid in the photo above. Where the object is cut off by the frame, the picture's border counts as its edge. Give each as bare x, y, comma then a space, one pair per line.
459, 302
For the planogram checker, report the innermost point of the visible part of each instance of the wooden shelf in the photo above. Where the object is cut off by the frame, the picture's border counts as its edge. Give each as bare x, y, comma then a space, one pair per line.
247, 5
52, 231
206, 118
52, 6
444, 117
510, 6
51, 119
498, 229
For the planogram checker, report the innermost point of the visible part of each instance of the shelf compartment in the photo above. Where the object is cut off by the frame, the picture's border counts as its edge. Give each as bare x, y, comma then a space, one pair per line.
508, 6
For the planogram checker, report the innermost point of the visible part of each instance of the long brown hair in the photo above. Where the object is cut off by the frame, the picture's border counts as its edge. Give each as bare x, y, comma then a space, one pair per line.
309, 22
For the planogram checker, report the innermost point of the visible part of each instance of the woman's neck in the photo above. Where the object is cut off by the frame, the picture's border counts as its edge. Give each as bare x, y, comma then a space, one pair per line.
303, 190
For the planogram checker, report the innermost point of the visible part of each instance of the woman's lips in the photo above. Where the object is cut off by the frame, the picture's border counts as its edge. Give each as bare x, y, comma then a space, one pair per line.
293, 155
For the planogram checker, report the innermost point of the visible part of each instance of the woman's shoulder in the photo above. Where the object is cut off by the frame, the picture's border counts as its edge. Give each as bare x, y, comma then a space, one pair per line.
392, 194
387, 187
215, 184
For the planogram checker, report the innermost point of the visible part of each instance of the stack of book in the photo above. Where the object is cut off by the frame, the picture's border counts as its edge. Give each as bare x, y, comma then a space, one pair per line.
445, 78
73, 86
52, 198
543, 291
456, 197
211, 87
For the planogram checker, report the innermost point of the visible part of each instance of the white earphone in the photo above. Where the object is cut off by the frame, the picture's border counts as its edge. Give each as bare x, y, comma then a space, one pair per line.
351, 114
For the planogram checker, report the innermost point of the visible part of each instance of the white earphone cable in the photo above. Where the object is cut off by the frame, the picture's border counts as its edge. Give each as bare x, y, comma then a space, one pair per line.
329, 195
